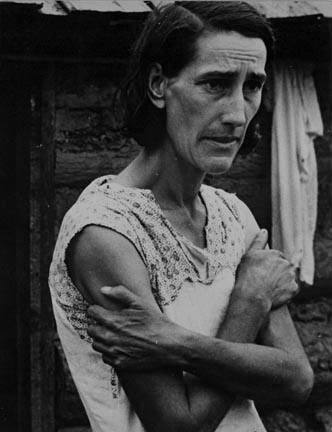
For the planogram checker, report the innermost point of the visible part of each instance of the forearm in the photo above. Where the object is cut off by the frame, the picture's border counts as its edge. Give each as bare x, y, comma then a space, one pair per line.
237, 365
201, 406
191, 405
249, 370
244, 320
162, 401
241, 324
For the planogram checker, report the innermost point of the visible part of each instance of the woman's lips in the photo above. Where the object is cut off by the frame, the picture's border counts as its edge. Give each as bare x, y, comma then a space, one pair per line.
228, 144
221, 146
222, 139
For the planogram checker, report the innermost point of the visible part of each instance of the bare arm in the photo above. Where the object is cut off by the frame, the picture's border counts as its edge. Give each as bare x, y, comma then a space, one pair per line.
102, 257
242, 367
160, 396
278, 371
274, 371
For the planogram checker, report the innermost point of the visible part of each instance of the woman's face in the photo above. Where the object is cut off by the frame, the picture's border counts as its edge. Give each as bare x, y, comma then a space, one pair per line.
210, 103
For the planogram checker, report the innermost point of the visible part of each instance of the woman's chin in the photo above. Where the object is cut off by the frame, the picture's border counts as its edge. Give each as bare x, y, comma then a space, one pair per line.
218, 166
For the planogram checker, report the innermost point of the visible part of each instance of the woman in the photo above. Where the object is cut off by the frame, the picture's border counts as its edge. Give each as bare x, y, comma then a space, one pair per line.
190, 305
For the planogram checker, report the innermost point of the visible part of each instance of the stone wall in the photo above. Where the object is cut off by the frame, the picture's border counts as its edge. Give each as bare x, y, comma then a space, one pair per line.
88, 145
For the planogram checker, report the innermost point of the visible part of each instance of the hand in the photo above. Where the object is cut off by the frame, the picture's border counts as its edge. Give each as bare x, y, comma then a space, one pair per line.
133, 337
265, 274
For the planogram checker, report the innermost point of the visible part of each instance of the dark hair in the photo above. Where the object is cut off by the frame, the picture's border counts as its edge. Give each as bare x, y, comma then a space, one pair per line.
169, 38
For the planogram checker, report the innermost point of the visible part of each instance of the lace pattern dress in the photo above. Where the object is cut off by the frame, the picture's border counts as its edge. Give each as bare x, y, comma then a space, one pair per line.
191, 285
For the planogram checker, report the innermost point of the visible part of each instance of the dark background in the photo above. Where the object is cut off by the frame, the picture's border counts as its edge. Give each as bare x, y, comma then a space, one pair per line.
57, 133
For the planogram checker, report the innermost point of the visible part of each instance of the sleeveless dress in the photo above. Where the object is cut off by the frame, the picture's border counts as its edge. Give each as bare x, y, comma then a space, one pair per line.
191, 285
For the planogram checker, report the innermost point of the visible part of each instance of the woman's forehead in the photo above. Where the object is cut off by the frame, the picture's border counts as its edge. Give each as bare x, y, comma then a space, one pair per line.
228, 50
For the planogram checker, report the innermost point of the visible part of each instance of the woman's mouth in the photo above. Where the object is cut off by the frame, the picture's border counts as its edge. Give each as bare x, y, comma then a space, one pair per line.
223, 143
225, 139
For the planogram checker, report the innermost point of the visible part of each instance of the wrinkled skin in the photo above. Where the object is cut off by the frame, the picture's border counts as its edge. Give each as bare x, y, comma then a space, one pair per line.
211, 102
132, 337
209, 105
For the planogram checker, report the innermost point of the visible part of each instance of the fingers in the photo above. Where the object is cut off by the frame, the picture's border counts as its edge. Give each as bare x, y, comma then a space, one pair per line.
100, 333
289, 293
260, 241
108, 354
100, 314
119, 294
287, 287
101, 348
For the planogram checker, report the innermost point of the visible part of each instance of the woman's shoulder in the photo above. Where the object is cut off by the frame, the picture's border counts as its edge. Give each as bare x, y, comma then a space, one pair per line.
105, 198
105, 189
106, 204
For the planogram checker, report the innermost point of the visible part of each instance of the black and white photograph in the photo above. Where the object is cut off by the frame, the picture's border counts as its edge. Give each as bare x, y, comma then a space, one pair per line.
166, 229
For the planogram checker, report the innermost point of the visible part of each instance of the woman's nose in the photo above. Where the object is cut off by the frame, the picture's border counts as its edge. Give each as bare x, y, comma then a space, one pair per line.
234, 113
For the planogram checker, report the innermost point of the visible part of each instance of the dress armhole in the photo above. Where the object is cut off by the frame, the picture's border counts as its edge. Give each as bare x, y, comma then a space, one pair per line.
81, 216
70, 306
251, 227
63, 289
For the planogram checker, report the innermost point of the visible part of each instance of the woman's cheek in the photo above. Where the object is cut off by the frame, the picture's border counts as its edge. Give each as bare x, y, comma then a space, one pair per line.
255, 104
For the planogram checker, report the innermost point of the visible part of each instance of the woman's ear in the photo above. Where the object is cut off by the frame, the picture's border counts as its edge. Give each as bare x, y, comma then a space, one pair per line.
156, 86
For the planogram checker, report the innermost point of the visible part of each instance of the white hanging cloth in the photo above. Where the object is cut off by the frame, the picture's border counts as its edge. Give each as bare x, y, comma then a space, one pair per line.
296, 122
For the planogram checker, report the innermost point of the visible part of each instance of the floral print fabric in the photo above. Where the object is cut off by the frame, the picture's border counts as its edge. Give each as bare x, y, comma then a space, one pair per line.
135, 214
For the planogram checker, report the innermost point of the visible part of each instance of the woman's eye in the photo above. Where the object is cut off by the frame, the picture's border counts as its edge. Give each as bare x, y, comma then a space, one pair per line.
215, 86
253, 86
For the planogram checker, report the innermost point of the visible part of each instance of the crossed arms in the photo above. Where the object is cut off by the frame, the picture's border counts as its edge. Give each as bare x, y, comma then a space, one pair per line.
151, 352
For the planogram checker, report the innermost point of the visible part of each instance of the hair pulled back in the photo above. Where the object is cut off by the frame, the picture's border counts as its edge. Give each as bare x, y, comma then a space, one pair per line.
169, 38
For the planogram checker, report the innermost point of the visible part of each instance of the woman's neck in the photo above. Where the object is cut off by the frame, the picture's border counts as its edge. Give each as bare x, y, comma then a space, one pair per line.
174, 182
